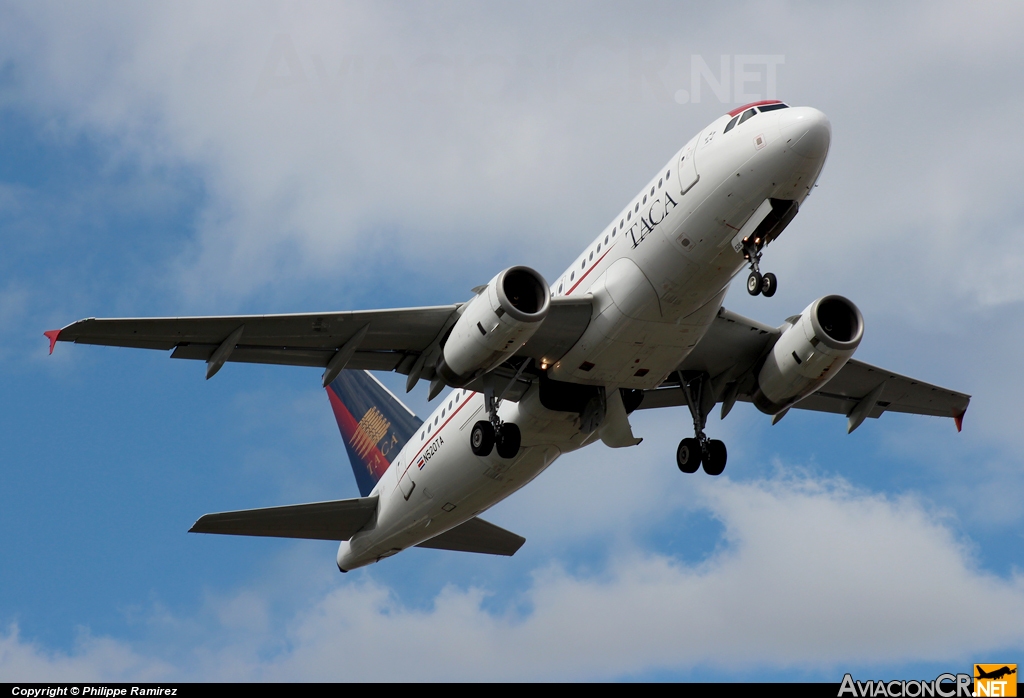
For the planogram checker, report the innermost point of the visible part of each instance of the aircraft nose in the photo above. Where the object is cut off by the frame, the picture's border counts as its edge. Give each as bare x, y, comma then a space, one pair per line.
807, 129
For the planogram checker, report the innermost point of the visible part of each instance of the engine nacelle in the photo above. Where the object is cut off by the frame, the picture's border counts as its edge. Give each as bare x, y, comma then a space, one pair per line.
494, 325
809, 353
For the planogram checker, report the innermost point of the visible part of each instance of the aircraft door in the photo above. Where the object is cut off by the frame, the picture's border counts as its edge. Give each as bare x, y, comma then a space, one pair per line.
687, 166
405, 483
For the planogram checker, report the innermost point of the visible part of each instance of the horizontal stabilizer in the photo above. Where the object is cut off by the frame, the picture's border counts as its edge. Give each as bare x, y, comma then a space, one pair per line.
338, 520
477, 536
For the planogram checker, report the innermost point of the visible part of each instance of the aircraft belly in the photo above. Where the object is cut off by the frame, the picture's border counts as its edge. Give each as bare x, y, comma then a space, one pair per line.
651, 309
455, 485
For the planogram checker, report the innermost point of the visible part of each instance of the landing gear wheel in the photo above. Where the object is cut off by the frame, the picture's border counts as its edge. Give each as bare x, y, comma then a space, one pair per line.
714, 459
508, 440
769, 285
688, 455
754, 282
481, 438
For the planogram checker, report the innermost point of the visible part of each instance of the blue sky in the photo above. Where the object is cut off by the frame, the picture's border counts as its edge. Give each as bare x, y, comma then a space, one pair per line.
227, 158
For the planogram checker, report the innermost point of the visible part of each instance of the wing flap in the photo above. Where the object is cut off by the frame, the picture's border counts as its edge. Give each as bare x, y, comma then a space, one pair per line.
477, 536
293, 356
900, 394
337, 520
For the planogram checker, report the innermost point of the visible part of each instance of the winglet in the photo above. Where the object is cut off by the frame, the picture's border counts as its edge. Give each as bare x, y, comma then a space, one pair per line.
959, 419
52, 336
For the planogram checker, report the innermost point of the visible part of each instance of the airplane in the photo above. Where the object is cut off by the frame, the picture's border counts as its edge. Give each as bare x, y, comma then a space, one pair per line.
535, 370
995, 674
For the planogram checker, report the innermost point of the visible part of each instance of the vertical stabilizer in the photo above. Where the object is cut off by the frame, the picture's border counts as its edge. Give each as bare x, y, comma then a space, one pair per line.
374, 424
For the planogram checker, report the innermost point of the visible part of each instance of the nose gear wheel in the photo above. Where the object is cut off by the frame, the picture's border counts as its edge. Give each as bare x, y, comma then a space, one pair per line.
758, 284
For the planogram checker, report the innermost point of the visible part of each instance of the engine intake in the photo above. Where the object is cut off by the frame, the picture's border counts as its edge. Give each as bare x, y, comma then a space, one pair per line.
809, 353
494, 325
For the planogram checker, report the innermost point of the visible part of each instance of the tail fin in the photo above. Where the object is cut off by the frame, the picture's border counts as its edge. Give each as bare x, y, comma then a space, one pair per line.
374, 425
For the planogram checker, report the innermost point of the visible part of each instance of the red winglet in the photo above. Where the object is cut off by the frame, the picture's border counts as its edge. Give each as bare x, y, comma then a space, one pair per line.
959, 419
52, 336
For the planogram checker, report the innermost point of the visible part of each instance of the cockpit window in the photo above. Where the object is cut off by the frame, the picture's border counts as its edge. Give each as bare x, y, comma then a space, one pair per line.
773, 107
728, 126
747, 114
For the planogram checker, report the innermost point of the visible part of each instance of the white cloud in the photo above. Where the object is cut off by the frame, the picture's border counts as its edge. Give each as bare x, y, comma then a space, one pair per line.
812, 573
327, 135
92, 659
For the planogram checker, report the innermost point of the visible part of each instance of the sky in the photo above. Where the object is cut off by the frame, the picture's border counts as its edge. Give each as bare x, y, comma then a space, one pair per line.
220, 158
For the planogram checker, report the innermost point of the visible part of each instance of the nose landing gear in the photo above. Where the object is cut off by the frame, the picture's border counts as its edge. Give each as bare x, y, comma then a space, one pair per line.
765, 285
700, 450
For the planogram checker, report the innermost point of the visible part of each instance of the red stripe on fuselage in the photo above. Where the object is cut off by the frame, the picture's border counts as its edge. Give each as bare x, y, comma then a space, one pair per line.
592, 268
443, 424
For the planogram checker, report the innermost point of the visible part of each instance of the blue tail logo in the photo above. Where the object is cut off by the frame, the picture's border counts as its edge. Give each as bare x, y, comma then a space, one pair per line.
374, 425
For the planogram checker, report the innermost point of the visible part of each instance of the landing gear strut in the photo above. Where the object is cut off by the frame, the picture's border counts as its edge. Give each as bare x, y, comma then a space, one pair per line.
485, 435
765, 285
693, 452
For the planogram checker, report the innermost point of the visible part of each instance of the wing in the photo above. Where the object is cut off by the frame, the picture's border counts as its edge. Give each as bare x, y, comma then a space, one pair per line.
306, 339
379, 340
732, 350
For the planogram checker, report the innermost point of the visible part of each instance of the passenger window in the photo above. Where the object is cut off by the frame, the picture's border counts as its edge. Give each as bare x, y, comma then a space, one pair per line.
572, 276
583, 264
629, 215
606, 239
746, 115
636, 208
659, 183
559, 288
728, 126
442, 412
652, 191
620, 224
599, 248
645, 198
613, 233
668, 174
591, 256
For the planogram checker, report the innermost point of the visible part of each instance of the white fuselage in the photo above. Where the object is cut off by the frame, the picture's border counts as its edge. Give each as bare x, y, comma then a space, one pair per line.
658, 274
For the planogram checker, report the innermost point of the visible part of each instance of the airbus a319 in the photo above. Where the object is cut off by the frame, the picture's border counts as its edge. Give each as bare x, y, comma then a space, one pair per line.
534, 370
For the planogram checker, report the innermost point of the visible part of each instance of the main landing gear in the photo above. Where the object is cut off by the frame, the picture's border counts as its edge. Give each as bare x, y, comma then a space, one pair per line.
492, 432
700, 450
765, 285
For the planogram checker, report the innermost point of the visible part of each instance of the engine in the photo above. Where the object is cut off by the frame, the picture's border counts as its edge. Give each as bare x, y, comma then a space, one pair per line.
494, 325
809, 353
